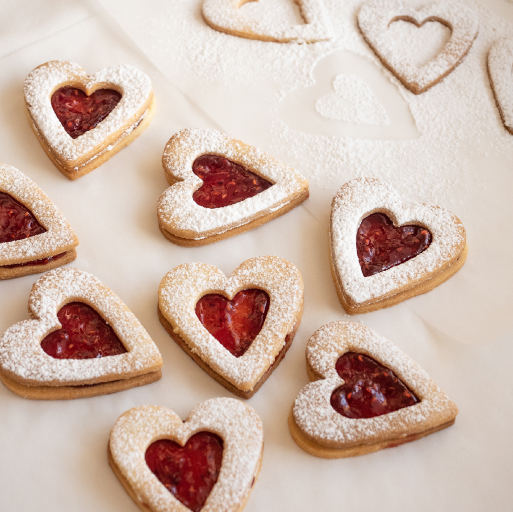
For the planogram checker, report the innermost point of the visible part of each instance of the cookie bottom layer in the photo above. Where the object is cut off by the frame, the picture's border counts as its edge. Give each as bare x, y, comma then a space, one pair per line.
192, 242
144, 506
70, 392
11, 273
324, 452
102, 156
425, 286
219, 378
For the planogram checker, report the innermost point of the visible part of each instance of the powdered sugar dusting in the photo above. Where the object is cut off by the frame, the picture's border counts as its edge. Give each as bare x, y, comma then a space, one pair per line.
500, 66
236, 423
183, 286
59, 236
42, 82
361, 197
180, 215
23, 359
315, 416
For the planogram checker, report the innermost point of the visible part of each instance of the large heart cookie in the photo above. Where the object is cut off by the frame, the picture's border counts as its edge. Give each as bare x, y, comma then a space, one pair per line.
54, 96
240, 436
28, 369
391, 400
420, 272
376, 16
183, 287
187, 213
500, 63
227, 16
41, 237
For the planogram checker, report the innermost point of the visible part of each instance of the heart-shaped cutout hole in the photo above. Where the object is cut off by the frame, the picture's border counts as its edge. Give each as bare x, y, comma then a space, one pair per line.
16, 221
234, 323
380, 245
189, 472
84, 335
78, 112
225, 182
370, 389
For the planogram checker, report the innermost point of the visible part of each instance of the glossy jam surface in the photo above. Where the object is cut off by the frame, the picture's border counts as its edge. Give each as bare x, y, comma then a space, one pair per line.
43, 261
16, 221
370, 389
234, 323
79, 113
84, 335
189, 472
380, 245
225, 182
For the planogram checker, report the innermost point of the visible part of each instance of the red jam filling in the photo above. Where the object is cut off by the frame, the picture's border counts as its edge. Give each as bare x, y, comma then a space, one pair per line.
16, 221
234, 323
84, 335
225, 182
380, 245
79, 113
43, 261
189, 472
370, 389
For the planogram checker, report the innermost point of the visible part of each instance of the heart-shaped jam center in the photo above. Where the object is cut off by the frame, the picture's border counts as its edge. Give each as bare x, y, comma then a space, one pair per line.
189, 472
79, 113
84, 335
225, 182
234, 323
380, 245
370, 389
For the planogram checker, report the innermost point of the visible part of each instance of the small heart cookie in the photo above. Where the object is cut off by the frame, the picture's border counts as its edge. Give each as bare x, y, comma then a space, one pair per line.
34, 235
384, 251
222, 187
80, 120
500, 63
82, 341
237, 338
209, 462
367, 395
376, 16
226, 16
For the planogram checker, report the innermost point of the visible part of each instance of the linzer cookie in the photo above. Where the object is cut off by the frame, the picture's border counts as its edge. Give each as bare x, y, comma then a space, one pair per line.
221, 187
376, 16
209, 462
227, 16
34, 235
384, 250
237, 329
500, 63
81, 341
366, 395
80, 120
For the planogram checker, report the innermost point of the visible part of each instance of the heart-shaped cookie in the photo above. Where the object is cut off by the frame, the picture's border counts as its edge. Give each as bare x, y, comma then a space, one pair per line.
184, 286
396, 400
443, 257
141, 434
182, 218
28, 370
500, 63
226, 16
375, 17
34, 235
95, 130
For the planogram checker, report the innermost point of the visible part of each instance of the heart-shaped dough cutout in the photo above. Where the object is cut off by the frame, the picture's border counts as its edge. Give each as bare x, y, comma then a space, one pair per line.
500, 64
182, 288
443, 257
320, 430
376, 16
235, 423
58, 239
227, 16
29, 371
185, 222
76, 157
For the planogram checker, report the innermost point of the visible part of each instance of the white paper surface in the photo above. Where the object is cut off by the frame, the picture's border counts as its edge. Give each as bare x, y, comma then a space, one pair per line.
54, 454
